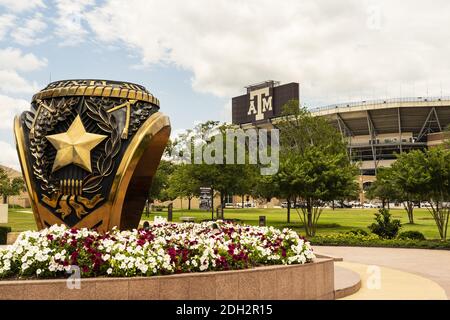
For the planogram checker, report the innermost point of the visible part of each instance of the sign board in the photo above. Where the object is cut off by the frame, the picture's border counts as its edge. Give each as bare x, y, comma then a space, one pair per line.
262, 221
205, 198
262, 102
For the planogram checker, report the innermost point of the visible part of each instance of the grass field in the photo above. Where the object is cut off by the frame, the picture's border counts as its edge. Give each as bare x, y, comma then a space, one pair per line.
339, 220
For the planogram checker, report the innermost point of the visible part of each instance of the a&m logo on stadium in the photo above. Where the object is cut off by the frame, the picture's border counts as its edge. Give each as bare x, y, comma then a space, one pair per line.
260, 102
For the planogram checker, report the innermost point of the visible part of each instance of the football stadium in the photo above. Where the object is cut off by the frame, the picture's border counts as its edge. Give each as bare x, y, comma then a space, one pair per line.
375, 130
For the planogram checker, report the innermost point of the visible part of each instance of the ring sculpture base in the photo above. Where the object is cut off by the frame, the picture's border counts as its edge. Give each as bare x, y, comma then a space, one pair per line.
310, 281
89, 150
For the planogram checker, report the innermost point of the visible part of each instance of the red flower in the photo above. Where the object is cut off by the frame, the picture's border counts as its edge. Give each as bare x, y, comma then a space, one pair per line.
74, 257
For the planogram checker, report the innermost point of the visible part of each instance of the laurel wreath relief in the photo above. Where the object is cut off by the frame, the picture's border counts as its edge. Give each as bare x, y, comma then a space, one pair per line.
45, 118
104, 165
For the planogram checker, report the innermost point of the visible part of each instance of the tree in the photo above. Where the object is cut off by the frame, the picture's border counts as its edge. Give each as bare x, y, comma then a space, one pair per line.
285, 187
160, 182
435, 164
408, 178
246, 184
447, 137
183, 184
209, 140
383, 188
264, 188
223, 178
314, 164
10, 187
319, 177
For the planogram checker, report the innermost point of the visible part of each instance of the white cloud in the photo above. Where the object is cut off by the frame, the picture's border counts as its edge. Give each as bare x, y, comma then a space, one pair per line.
225, 113
69, 21
335, 50
8, 156
9, 108
14, 59
6, 23
22, 5
27, 34
12, 82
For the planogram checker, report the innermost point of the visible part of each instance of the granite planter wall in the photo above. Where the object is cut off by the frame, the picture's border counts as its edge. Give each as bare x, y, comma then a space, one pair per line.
298, 282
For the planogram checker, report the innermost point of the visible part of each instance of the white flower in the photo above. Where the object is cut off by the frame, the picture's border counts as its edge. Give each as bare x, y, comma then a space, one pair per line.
209, 244
144, 268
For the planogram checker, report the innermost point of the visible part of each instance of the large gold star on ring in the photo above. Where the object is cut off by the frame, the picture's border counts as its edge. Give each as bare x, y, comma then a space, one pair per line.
74, 146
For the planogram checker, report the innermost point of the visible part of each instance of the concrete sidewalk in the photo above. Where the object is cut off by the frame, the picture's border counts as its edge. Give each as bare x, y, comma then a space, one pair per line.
382, 283
431, 264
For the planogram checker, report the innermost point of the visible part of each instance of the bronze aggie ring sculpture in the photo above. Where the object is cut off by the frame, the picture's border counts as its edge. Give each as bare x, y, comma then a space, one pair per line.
89, 150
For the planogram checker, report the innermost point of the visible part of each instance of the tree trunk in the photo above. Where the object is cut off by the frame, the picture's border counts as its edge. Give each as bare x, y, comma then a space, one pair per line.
189, 203
5, 199
212, 203
288, 210
222, 204
309, 220
242, 201
147, 207
441, 215
409, 206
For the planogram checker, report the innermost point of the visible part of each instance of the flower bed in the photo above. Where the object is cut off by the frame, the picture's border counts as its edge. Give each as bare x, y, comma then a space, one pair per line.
164, 248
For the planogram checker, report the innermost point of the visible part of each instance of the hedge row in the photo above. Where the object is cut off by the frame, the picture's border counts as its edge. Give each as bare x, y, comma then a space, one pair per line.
373, 241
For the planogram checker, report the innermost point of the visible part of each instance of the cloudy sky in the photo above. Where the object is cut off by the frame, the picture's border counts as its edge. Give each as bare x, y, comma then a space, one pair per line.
195, 55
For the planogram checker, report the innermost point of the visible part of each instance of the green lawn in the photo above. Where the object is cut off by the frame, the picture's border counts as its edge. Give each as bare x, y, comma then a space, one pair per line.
339, 220
20, 220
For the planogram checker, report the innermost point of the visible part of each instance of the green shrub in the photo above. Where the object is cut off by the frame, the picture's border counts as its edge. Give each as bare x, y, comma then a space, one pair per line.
385, 227
358, 232
3, 234
15, 206
373, 240
411, 235
347, 238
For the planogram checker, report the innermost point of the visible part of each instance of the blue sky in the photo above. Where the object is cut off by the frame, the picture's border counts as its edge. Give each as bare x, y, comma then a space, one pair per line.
195, 55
